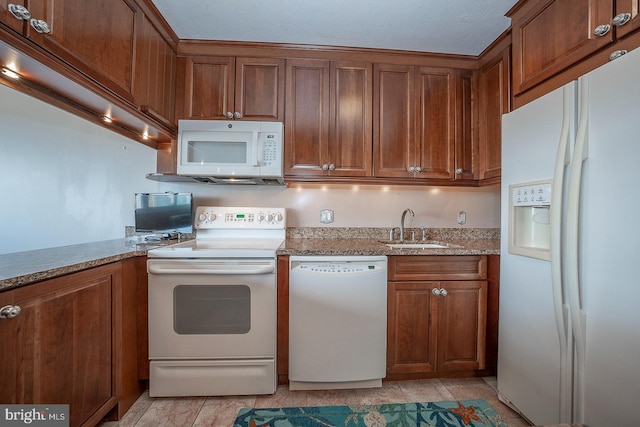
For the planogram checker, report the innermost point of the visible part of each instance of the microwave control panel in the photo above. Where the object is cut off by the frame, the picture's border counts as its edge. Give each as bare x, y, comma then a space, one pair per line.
270, 148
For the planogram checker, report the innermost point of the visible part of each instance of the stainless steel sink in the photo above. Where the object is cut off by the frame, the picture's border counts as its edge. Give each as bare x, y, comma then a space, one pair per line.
419, 245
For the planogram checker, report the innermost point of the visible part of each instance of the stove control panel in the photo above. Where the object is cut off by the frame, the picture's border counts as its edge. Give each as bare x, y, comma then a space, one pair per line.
214, 217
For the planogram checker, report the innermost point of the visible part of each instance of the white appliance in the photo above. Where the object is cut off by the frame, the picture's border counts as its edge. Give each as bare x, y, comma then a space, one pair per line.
337, 322
231, 152
212, 305
569, 340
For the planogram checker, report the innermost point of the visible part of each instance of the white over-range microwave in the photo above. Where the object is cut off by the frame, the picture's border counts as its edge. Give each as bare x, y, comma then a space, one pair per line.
244, 152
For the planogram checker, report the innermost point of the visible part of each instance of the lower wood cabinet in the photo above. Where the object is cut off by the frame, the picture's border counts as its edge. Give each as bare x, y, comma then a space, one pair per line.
67, 346
437, 315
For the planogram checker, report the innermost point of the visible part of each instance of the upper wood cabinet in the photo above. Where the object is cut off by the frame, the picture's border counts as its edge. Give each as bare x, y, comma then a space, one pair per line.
97, 38
8, 19
551, 36
494, 92
420, 114
228, 88
328, 118
155, 76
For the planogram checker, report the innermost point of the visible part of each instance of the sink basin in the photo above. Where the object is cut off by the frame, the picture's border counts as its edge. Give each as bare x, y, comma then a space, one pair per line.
417, 245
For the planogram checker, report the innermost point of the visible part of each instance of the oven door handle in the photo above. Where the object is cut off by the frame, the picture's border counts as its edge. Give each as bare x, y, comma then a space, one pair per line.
209, 269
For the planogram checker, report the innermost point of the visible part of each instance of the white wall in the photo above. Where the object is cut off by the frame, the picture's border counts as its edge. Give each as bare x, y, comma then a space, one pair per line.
65, 180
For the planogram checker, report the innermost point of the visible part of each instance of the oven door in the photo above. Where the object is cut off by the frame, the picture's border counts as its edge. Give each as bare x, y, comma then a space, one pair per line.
212, 308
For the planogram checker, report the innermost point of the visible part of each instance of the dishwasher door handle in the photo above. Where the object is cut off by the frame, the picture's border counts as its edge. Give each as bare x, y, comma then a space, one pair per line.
211, 269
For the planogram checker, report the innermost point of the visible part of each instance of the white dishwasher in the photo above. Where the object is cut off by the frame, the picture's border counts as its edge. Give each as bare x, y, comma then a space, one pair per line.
337, 322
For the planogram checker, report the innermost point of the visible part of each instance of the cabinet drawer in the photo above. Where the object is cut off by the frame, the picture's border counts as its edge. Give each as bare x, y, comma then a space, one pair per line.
456, 267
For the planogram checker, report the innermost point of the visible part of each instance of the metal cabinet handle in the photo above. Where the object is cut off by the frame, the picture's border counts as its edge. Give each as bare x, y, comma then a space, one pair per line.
436, 291
418, 169
621, 19
229, 115
325, 167
458, 171
617, 54
40, 26
411, 169
237, 115
20, 12
332, 167
602, 30
9, 311
443, 292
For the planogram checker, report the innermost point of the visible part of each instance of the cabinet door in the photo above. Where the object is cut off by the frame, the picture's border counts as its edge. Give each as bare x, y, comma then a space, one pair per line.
307, 117
95, 37
350, 143
435, 122
411, 340
155, 76
549, 36
494, 102
632, 7
466, 141
259, 89
461, 325
394, 145
209, 83
62, 343
8, 19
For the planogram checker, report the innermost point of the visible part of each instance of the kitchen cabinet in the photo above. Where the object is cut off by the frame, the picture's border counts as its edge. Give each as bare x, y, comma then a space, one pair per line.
155, 74
420, 113
7, 18
437, 315
96, 38
230, 88
494, 84
75, 341
553, 35
328, 118
60, 347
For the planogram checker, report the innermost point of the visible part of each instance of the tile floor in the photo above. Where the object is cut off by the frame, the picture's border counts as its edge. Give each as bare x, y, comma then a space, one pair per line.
221, 411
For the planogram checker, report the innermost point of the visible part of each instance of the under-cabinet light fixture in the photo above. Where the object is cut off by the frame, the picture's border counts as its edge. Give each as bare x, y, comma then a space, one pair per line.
10, 73
107, 119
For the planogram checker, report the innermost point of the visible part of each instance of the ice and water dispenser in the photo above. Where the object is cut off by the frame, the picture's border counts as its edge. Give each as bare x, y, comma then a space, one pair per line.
529, 219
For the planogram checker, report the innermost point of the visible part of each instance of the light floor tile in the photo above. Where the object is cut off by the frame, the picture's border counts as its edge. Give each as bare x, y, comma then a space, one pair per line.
222, 411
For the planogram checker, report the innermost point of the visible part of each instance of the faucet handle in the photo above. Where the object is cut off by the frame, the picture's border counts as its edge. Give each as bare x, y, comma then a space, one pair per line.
392, 233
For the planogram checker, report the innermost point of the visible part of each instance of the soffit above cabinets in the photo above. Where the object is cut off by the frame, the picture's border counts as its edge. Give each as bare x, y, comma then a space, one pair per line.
463, 27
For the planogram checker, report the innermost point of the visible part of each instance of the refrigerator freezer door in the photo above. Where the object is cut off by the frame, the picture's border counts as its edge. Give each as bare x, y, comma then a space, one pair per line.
609, 246
529, 357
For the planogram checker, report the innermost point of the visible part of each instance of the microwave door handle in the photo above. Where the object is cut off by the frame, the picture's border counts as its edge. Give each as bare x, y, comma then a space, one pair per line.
256, 160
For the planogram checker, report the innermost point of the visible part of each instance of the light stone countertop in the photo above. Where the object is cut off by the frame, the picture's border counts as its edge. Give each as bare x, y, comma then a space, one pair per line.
23, 268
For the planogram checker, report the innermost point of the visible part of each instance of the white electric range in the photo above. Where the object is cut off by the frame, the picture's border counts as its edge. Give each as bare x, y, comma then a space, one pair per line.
212, 305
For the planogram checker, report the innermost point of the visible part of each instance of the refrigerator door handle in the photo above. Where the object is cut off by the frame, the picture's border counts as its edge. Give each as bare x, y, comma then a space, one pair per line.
578, 317
562, 161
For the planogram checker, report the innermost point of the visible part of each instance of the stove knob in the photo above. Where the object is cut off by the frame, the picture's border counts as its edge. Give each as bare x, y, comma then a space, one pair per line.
269, 217
278, 217
260, 216
202, 217
212, 216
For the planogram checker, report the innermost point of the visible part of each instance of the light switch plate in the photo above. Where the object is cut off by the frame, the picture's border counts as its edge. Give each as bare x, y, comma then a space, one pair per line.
326, 216
462, 217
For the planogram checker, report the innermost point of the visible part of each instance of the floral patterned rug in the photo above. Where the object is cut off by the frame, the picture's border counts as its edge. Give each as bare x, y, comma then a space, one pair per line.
474, 413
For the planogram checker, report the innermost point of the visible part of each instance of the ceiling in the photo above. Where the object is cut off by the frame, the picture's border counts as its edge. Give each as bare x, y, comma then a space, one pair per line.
464, 27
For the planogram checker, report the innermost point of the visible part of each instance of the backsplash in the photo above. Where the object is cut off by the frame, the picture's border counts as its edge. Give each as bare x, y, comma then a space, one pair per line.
383, 233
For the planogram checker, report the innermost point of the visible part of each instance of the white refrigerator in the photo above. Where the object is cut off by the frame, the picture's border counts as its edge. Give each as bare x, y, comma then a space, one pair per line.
569, 329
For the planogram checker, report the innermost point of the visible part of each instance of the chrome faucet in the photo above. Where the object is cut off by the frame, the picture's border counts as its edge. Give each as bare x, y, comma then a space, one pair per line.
402, 222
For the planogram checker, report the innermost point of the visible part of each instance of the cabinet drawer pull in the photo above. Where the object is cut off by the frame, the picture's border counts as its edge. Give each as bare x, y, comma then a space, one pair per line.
602, 30
458, 171
9, 311
617, 54
621, 19
436, 292
443, 292
20, 12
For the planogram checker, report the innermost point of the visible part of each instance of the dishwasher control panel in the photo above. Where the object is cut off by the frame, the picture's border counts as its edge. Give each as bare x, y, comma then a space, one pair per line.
337, 268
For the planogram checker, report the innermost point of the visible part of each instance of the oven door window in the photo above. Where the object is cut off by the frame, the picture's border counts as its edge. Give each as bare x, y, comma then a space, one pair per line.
215, 309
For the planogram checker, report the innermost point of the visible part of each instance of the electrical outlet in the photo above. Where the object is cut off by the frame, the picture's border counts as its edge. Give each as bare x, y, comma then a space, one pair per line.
462, 217
326, 216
